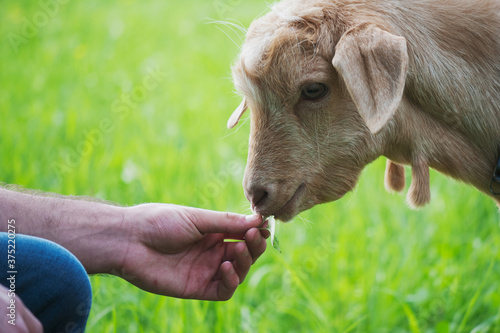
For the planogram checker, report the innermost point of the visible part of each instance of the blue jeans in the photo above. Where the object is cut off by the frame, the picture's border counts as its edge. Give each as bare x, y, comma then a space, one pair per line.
50, 281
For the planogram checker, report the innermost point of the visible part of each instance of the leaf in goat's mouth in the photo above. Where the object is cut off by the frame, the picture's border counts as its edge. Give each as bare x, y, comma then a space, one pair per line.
271, 227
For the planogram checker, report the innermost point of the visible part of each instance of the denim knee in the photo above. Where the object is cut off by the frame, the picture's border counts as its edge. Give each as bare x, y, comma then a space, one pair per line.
51, 282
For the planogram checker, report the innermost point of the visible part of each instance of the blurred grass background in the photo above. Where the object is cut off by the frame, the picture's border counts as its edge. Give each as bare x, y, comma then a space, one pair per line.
81, 115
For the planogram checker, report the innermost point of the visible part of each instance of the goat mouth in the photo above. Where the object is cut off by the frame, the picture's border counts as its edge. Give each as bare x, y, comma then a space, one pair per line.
290, 208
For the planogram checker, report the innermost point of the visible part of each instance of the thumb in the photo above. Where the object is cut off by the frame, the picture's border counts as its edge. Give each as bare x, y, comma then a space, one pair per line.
209, 221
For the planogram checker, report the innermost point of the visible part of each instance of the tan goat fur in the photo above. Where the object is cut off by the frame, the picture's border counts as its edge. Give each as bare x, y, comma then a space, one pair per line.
415, 81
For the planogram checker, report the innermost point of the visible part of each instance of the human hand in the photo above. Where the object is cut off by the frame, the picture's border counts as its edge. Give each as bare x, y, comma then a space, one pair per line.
165, 249
25, 321
180, 251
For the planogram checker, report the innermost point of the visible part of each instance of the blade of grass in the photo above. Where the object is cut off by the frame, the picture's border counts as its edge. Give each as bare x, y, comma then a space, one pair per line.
412, 319
475, 298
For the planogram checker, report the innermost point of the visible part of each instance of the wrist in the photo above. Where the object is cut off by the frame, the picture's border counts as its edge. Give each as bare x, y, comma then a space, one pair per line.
133, 230
103, 242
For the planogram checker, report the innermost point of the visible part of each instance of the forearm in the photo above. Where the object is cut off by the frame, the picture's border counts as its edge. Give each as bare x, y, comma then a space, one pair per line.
92, 231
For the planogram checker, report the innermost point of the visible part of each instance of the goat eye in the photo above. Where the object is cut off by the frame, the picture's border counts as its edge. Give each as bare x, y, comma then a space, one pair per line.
314, 91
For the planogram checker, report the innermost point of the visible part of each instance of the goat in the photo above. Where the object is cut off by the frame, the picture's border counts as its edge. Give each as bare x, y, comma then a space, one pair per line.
334, 84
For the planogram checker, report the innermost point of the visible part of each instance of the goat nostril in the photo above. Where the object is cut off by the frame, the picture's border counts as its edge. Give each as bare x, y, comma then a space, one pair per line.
257, 196
262, 195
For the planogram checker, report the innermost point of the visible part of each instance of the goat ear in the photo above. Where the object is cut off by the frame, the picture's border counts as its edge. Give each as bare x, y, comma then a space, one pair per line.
235, 117
373, 64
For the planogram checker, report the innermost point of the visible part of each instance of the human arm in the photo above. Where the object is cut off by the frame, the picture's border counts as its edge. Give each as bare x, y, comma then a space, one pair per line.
166, 249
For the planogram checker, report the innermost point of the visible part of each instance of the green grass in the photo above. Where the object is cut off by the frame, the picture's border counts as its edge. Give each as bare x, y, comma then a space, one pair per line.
364, 264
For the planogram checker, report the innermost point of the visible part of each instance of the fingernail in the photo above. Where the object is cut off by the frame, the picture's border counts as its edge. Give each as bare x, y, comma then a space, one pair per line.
252, 218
